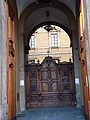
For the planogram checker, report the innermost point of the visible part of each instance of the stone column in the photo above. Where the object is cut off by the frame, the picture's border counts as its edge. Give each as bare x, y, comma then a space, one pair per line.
87, 39
22, 72
3, 63
77, 70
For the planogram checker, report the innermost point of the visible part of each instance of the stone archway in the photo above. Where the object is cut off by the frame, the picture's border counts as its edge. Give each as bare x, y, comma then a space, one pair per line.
24, 23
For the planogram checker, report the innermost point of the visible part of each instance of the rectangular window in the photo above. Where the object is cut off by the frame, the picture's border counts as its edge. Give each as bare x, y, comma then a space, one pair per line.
32, 41
54, 39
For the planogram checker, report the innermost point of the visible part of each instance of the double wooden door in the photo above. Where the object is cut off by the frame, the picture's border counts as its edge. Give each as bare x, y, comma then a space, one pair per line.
50, 84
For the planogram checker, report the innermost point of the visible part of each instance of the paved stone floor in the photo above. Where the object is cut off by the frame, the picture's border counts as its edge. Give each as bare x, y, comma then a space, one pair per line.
63, 113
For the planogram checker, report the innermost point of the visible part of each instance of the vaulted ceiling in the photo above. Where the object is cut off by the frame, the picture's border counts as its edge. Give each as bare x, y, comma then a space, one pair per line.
23, 4
33, 14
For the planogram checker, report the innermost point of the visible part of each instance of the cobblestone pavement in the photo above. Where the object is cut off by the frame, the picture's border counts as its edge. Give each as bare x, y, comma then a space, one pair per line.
62, 113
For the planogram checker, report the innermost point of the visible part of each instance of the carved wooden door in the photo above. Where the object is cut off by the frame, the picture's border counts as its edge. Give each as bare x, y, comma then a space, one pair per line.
67, 84
49, 83
84, 75
83, 58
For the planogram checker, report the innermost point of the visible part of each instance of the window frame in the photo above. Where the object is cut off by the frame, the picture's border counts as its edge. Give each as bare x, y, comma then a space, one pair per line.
32, 41
54, 41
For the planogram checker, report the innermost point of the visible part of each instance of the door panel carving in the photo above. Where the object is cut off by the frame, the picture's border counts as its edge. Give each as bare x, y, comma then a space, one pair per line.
50, 84
44, 87
53, 74
44, 75
54, 87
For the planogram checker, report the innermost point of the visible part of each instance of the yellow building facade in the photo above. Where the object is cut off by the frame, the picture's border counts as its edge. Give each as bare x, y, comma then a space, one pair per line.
55, 43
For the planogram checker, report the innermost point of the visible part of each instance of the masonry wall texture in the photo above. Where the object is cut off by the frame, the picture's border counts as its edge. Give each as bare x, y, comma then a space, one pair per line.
3, 63
86, 7
22, 72
78, 83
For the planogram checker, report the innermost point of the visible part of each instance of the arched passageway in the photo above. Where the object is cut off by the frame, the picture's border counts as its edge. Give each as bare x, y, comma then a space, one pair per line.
59, 16
63, 16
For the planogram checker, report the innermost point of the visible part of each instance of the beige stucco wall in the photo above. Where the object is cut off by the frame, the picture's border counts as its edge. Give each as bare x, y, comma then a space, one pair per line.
63, 51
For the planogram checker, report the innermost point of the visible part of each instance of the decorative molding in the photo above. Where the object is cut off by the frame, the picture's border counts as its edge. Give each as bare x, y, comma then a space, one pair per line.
51, 53
11, 49
11, 66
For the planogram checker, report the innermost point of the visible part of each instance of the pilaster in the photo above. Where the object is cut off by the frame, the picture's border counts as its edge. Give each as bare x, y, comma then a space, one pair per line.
77, 70
86, 5
22, 72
